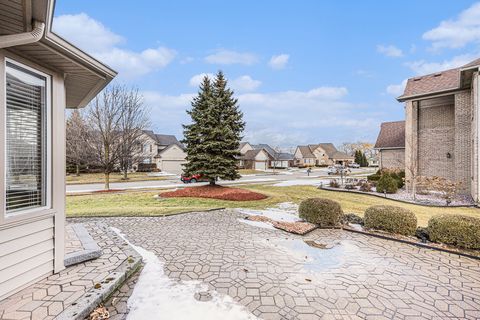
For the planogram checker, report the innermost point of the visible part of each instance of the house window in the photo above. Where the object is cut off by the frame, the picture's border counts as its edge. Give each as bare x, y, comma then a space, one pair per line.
27, 110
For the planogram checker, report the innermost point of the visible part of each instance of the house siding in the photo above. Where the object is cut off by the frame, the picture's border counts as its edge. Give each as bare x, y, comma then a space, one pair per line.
463, 152
172, 159
32, 243
391, 158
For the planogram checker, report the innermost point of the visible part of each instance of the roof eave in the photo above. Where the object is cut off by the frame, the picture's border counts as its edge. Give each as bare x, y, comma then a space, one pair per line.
424, 95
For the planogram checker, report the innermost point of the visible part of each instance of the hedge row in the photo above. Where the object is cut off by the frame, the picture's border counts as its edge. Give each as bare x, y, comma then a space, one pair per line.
458, 230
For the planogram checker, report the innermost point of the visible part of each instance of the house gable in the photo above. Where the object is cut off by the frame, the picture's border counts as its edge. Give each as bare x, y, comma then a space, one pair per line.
244, 147
173, 152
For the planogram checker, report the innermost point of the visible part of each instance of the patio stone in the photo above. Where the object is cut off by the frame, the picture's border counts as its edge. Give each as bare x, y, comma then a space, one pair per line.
370, 279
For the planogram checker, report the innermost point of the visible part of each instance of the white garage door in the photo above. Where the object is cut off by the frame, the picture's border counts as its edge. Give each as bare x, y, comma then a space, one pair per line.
172, 166
260, 165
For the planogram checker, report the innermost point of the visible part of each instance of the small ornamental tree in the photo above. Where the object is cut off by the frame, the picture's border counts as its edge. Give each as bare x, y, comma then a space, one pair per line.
213, 137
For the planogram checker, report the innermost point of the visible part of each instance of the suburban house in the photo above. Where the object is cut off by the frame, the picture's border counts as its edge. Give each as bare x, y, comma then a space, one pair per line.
41, 75
442, 126
391, 145
162, 151
262, 157
322, 154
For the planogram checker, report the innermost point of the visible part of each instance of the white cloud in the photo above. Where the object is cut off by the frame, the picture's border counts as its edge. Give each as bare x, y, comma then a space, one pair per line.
198, 78
93, 37
245, 84
397, 89
279, 61
422, 67
390, 51
223, 56
456, 33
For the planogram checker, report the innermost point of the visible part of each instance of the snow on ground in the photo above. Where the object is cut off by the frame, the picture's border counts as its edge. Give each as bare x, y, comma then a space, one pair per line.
282, 212
259, 224
302, 182
156, 296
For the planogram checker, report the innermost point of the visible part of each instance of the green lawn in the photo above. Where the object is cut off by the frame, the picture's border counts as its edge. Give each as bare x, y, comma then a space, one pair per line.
86, 178
144, 204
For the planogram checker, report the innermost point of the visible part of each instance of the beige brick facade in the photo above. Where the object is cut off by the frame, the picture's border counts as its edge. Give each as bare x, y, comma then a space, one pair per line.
391, 158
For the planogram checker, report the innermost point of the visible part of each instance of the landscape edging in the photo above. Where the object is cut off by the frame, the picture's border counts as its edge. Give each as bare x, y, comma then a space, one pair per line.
417, 244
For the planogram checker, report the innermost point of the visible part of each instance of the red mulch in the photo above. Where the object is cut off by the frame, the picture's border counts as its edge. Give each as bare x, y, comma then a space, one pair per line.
215, 192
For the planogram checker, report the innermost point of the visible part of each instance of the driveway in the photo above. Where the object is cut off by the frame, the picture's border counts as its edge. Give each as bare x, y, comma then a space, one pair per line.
174, 182
276, 275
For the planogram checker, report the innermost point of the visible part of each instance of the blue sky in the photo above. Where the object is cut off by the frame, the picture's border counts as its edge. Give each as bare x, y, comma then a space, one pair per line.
304, 71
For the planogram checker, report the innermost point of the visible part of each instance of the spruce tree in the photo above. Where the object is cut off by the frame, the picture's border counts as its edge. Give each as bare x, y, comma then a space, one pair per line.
358, 157
213, 137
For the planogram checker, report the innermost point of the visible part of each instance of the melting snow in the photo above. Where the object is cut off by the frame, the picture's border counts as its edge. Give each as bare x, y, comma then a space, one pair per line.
302, 182
282, 212
259, 224
156, 296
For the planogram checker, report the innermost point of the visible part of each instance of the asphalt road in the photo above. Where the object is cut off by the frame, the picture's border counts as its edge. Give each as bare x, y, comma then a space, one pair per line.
296, 176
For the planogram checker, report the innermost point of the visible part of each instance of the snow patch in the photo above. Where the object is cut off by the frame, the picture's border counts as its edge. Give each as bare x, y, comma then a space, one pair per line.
156, 296
301, 182
282, 212
259, 224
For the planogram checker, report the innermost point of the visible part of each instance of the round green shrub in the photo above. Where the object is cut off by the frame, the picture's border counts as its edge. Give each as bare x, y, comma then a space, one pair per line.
387, 184
455, 229
391, 219
324, 212
373, 177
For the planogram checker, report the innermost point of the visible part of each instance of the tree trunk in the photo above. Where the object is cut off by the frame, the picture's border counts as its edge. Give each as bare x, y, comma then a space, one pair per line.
212, 182
107, 180
77, 170
125, 173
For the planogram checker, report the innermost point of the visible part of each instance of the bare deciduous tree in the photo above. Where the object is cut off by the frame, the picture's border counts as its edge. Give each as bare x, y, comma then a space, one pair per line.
104, 120
134, 120
78, 150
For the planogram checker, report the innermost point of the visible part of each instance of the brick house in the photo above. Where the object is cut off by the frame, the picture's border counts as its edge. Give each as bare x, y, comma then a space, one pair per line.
322, 154
390, 145
442, 126
262, 156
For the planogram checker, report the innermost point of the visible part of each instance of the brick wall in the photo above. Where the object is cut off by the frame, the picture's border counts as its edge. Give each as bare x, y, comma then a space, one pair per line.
474, 137
436, 138
463, 151
392, 159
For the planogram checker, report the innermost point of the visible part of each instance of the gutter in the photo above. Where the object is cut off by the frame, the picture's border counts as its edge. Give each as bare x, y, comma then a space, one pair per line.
18, 39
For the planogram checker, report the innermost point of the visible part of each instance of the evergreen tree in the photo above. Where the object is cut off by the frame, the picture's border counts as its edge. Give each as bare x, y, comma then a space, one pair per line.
213, 137
358, 157
364, 160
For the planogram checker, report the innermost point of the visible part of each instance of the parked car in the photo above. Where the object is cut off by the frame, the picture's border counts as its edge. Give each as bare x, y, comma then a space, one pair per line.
193, 178
337, 170
332, 170
354, 165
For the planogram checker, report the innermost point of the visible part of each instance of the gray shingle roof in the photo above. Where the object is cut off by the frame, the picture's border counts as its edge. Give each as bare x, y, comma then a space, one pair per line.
163, 139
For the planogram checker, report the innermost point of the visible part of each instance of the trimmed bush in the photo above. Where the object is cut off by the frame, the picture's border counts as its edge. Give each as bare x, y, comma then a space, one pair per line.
324, 212
391, 219
374, 177
387, 184
455, 229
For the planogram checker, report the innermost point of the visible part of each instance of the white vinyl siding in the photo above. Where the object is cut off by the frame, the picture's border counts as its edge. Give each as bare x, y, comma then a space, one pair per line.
27, 106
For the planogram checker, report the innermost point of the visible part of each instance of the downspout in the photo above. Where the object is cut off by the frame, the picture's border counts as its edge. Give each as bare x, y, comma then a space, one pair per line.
18, 39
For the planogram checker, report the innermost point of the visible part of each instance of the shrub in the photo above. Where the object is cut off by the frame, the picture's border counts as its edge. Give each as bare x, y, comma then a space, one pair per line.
352, 218
324, 212
334, 183
387, 184
374, 177
391, 219
455, 229
366, 186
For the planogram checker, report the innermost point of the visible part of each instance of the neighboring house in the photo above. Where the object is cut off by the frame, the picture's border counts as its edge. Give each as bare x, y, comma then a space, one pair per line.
391, 145
442, 126
256, 159
275, 159
322, 154
163, 150
40, 75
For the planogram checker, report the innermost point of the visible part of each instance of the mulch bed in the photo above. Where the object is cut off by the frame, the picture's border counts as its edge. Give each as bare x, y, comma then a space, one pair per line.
215, 192
298, 227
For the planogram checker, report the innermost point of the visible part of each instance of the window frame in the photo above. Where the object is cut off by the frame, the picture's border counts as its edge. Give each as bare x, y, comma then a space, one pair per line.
48, 142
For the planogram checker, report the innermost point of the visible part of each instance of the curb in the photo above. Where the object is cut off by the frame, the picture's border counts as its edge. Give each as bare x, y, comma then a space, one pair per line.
413, 243
397, 200
146, 216
91, 249
93, 297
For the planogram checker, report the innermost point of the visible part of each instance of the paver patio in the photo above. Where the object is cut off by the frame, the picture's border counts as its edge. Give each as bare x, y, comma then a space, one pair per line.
276, 276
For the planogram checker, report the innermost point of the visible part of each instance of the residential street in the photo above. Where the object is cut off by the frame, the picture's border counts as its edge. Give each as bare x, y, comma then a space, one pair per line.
316, 177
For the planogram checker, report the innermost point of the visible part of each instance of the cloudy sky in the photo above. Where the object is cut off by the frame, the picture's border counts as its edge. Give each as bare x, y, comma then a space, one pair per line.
303, 71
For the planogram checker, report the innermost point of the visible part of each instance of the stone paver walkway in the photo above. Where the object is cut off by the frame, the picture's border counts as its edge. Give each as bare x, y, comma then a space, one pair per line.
277, 276
49, 297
